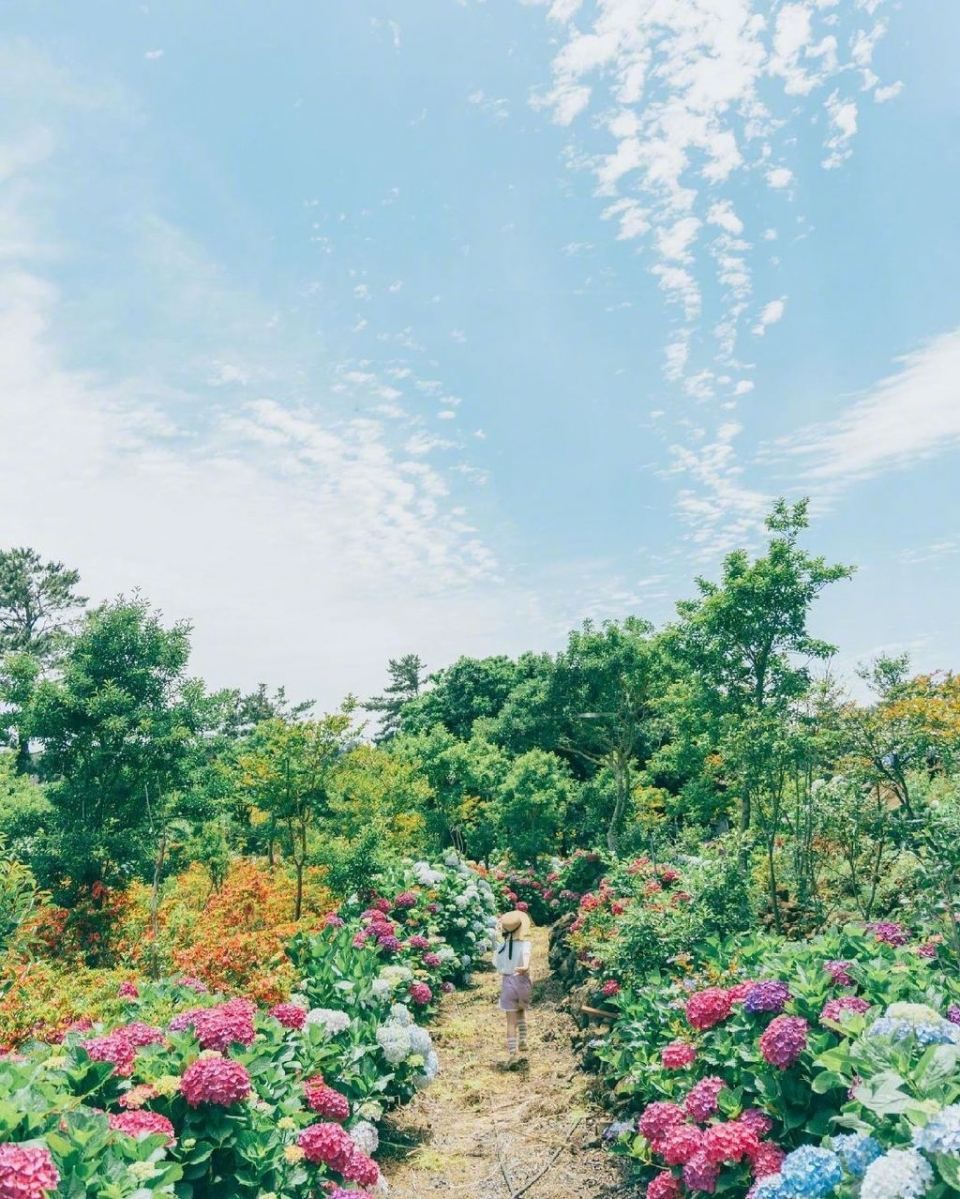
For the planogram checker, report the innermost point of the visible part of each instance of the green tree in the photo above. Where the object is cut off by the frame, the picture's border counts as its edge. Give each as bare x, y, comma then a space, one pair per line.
744, 650
37, 602
407, 677
532, 805
286, 768
471, 689
118, 729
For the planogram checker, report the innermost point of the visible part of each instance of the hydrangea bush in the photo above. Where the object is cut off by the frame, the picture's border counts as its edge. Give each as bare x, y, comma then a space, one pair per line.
207, 1095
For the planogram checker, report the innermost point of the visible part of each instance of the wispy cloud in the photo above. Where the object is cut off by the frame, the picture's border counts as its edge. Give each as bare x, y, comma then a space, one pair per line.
912, 415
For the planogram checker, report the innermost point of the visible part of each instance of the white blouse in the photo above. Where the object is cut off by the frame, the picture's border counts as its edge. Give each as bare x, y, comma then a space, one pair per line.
506, 962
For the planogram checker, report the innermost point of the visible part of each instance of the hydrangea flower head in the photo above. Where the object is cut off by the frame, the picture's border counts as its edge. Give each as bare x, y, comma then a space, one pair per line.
26, 1171
784, 1040
838, 973
657, 1118
677, 1055
290, 1015
326, 1145
897, 1174
770, 995
833, 1009
680, 1144
730, 1142
767, 1160
856, 1151
325, 1101
664, 1186
756, 1119
701, 1102
216, 1080
128, 990
771, 1186
888, 933
708, 1007
701, 1174
142, 1124
810, 1171
329, 1019
942, 1134
421, 994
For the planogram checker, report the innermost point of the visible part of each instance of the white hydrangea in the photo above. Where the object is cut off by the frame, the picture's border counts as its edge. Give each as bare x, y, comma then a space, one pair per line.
300, 999
394, 1040
420, 1041
426, 876
365, 1137
329, 1019
445, 953
371, 1110
461, 901
466, 960
382, 987
401, 1014
431, 1068
898, 1174
397, 975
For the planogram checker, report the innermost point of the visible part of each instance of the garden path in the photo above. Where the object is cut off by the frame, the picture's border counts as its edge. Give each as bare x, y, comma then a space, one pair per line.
477, 1125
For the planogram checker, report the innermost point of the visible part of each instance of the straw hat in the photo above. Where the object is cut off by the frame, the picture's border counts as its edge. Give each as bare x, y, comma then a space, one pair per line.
515, 923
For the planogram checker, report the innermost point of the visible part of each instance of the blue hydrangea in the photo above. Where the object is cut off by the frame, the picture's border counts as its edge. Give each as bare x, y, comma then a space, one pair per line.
771, 1187
942, 1134
856, 1151
617, 1129
809, 1172
942, 1033
898, 1174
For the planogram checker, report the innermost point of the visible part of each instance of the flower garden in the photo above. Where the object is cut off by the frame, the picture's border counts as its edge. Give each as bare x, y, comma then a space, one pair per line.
189, 1090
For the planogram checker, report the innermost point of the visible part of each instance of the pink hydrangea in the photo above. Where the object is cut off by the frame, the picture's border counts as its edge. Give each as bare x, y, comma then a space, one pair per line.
707, 1008
26, 1172
421, 994
432, 961
657, 1119
139, 1095
838, 973
327, 1145
290, 1015
833, 1009
677, 1055
361, 1168
382, 905
448, 988
388, 942
523, 906
701, 1101
767, 1160
664, 1186
701, 1174
753, 1118
194, 984
139, 1034
730, 1142
889, 933
128, 990
739, 991
406, 899
117, 1050
610, 987
216, 1080
418, 942
142, 1124
784, 1040
332, 920
325, 1101
680, 1143
359, 940
928, 949
225, 1024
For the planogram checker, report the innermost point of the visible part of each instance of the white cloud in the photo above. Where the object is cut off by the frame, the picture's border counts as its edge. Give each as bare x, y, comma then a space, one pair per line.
688, 98
910, 416
883, 94
153, 54
770, 315
743, 387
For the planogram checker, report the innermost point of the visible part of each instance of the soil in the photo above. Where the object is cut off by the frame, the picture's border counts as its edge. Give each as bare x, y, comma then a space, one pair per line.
482, 1130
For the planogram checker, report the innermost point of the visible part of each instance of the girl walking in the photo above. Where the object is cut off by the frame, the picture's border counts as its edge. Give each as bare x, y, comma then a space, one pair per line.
511, 957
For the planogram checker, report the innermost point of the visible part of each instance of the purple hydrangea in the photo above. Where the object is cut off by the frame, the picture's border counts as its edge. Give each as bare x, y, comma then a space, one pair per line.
770, 995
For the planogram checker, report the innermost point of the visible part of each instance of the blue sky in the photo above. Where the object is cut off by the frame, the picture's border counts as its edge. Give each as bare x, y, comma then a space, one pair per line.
356, 329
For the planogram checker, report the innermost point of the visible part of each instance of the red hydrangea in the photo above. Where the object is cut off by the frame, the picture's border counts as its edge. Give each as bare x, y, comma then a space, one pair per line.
214, 1080
739, 991
610, 987
325, 1101
701, 1102
767, 1160
418, 942
128, 990
432, 961
784, 1040
421, 994
142, 1124
290, 1015
678, 1054
327, 1145
406, 899
707, 1008
701, 1174
26, 1172
730, 1142
833, 1009
664, 1186
360, 1168
139, 1034
522, 906
657, 1120
681, 1143
382, 905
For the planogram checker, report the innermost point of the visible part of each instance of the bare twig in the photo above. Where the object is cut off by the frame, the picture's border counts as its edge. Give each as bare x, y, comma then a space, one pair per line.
536, 1178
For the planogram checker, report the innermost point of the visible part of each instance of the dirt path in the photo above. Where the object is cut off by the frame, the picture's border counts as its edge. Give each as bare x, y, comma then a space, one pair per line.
477, 1125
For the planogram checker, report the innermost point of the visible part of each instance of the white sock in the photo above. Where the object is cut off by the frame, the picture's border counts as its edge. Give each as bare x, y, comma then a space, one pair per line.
511, 1045
522, 1030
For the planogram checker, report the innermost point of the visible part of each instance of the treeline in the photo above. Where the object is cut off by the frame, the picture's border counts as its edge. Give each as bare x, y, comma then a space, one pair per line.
722, 725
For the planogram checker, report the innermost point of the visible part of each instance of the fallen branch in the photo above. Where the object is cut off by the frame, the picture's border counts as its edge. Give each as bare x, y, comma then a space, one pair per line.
536, 1178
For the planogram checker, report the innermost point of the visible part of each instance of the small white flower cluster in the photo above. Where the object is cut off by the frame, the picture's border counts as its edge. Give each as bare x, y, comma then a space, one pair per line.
394, 1041
396, 976
329, 1019
365, 1137
426, 876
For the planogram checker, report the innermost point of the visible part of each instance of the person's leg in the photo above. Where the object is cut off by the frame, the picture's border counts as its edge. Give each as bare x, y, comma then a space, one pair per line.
522, 1030
512, 1034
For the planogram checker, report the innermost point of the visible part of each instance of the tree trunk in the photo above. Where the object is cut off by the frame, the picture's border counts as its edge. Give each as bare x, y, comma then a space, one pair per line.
621, 771
155, 905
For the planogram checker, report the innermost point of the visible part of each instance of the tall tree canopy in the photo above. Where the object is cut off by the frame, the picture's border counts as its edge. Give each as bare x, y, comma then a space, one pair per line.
407, 677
